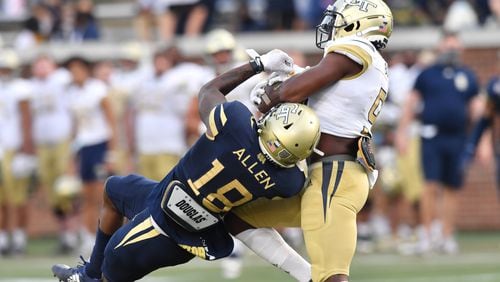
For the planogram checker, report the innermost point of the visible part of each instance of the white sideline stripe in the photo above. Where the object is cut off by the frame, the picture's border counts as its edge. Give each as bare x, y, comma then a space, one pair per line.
483, 277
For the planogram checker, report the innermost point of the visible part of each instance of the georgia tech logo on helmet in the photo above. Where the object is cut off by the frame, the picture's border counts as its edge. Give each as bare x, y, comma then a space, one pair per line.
362, 4
284, 112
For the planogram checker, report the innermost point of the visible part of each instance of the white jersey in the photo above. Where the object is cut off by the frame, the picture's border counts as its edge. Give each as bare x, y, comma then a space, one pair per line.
51, 114
350, 107
85, 103
11, 94
161, 104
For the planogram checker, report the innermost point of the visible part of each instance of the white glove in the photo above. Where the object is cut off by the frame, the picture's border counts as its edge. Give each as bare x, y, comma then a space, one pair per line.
277, 61
273, 61
258, 93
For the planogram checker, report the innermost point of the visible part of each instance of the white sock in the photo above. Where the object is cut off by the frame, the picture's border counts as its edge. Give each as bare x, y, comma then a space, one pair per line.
19, 239
69, 239
268, 244
4, 240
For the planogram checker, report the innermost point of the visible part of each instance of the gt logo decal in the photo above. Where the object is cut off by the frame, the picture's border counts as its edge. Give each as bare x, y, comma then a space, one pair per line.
284, 112
362, 4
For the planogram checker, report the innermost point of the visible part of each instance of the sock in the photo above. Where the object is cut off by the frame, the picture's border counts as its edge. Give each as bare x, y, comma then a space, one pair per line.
93, 268
19, 239
4, 241
268, 244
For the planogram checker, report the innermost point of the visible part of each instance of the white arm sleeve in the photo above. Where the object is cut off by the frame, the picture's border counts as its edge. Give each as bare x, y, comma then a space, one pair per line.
268, 244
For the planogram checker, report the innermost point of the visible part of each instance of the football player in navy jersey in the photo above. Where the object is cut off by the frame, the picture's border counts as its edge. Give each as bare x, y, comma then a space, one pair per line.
237, 161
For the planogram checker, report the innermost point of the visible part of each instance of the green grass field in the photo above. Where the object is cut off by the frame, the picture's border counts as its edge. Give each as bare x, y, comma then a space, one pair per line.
479, 261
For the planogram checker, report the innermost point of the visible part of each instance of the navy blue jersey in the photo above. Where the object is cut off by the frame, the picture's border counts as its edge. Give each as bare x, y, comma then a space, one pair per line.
225, 170
493, 90
446, 92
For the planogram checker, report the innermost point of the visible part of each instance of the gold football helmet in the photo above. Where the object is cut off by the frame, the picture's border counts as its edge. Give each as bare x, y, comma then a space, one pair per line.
219, 40
288, 133
371, 19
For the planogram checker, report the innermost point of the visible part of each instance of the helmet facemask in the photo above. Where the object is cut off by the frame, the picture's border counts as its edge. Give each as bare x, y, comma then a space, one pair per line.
332, 19
370, 19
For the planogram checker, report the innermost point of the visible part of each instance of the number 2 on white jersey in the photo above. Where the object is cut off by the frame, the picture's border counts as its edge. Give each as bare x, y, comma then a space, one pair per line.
377, 106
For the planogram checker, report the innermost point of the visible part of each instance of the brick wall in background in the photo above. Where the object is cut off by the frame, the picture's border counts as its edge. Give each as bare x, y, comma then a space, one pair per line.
479, 204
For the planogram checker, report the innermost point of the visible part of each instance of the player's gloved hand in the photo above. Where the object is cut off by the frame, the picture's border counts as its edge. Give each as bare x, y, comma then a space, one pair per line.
258, 93
277, 61
273, 61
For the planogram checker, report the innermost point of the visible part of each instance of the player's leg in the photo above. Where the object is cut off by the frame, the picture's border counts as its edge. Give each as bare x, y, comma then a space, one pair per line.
20, 202
251, 224
337, 192
93, 174
432, 165
124, 196
137, 249
453, 181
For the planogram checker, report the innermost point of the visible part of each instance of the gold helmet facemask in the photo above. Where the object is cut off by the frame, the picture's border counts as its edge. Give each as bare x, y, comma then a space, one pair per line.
288, 133
371, 19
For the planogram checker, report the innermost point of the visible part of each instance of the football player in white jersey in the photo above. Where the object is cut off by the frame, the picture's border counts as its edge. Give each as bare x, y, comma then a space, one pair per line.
16, 141
52, 128
96, 139
347, 89
170, 83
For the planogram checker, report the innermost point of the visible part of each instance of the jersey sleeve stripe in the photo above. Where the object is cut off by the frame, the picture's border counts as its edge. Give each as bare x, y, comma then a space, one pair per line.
352, 50
216, 121
223, 117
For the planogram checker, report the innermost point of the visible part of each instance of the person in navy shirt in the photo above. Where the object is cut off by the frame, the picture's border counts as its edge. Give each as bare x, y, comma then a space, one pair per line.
237, 161
444, 92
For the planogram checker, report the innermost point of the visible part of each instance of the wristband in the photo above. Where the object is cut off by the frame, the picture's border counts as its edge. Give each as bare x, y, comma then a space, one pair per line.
257, 65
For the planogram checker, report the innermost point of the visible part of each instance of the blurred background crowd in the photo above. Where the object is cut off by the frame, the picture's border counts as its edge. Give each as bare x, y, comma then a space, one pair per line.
36, 21
66, 124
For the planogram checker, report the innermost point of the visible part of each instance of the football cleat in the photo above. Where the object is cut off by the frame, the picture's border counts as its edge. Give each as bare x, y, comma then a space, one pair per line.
66, 273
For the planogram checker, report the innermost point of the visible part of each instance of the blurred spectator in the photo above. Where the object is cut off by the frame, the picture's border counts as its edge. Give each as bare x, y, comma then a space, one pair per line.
460, 16
55, 9
172, 17
445, 91
435, 11
36, 29
95, 139
406, 12
85, 25
493, 21
13, 8
52, 127
281, 14
18, 161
